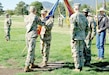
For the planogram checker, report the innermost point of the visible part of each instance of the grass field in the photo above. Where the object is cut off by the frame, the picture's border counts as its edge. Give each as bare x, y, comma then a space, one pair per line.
11, 55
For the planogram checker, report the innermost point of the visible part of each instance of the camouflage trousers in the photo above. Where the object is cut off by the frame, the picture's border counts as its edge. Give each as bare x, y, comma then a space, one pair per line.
31, 43
77, 53
60, 23
45, 48
87, 51
7, 33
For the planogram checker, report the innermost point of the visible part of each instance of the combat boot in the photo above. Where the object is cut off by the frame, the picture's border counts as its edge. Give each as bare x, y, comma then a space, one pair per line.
27, 69
34, 66
86, 63
43, 64
77, 70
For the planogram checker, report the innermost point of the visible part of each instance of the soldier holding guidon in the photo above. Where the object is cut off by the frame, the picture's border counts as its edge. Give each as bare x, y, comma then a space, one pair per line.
45, 36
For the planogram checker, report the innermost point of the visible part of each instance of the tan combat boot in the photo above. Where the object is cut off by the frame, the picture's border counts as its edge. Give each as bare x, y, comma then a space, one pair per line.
34, 66
77, 70
43, 64
27, 69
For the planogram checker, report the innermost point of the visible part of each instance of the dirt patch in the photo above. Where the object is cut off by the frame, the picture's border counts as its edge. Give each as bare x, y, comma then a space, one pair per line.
9, 71
50, 67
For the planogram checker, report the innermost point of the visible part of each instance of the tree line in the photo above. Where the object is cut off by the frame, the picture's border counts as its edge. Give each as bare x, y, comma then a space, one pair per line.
22, 8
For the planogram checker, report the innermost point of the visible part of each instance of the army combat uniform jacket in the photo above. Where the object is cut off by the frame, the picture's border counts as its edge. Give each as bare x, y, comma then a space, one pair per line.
32, 21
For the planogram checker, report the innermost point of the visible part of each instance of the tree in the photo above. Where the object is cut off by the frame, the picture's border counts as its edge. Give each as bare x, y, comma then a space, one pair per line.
1, 9
38, 6
11, 12
84, 6
25, 9
62, 9
19, 10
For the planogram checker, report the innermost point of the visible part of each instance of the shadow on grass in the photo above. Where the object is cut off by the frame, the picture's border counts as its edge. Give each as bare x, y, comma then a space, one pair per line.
56, 65
99, 67
94, 55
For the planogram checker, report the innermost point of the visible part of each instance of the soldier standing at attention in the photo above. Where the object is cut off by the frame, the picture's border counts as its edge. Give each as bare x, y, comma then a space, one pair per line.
90, 36
79, 30
7, 27
45, 36
60, 20
101, 33
32, 21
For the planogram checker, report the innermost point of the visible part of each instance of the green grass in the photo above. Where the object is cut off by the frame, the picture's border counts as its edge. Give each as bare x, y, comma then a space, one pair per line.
11, 54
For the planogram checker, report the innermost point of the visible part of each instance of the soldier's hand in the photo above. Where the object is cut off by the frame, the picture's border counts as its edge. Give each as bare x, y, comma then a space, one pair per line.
73, 41
91, 38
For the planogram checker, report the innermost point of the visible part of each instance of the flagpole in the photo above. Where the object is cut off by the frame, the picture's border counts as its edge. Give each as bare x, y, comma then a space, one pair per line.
67, 15
59, 10
104, 4
97, 13
51, 12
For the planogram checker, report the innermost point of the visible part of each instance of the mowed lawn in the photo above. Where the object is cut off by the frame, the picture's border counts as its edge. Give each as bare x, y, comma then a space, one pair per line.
13, 56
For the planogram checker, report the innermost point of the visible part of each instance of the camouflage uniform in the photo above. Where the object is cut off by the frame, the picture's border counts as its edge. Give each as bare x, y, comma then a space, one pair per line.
7, 25
60, 20
32, 21
46, 38
79, 28
90, 36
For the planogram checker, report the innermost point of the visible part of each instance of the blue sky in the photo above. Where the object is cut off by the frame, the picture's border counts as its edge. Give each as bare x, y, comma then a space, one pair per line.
11, 4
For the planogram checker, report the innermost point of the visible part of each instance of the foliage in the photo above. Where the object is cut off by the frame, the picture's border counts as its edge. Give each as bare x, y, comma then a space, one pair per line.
11, 12
62, 9
84, 6
1, 9
21, 8
38, 6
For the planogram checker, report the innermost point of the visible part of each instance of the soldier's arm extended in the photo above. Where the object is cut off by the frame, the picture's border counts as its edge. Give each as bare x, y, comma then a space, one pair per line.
40, 22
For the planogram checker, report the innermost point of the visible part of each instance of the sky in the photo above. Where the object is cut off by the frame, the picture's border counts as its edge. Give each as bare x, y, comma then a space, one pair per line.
11, 4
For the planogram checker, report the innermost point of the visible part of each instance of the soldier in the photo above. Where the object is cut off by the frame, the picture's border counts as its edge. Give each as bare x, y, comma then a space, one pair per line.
7, 27
45, 36
79, 29
101, 33
90, 36
60, 20
31, 34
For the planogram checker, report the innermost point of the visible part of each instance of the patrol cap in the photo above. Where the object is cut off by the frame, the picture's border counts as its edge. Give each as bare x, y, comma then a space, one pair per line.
77, 5
32, 8
43, 11
6, 14
85, 10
